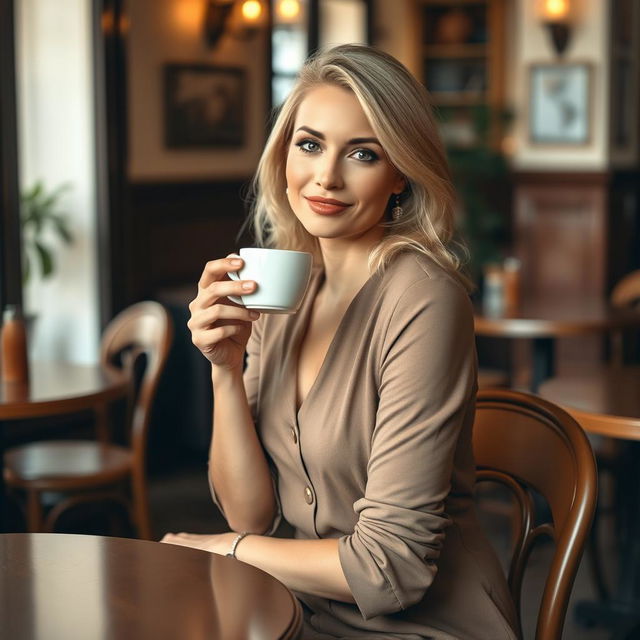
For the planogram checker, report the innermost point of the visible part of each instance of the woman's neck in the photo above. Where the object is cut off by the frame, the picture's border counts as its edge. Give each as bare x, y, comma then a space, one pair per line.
346, 266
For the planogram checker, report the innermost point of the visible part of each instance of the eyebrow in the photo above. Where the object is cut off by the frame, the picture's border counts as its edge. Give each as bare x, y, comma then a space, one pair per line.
320, 135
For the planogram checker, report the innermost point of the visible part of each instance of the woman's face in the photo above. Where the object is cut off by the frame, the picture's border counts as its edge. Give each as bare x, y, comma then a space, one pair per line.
339, 178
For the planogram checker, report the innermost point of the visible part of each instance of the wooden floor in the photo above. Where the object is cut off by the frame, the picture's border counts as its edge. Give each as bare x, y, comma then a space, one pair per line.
180, 502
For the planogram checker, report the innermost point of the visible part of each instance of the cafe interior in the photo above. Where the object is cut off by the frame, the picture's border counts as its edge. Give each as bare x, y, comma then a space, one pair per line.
130, 131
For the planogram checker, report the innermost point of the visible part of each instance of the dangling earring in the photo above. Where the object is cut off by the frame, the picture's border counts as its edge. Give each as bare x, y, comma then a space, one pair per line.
397, 212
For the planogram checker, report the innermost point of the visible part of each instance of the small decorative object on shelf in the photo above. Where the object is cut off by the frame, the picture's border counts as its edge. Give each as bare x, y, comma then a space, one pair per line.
14, 363
454, 27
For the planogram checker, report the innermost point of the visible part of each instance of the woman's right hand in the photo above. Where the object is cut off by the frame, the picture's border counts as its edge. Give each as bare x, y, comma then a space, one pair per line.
219, 327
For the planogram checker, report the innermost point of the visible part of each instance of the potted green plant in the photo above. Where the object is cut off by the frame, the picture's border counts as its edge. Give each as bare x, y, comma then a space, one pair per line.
481, 176
43, 225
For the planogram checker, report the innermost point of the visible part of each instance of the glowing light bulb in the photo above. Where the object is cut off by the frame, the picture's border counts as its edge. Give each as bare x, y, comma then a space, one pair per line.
555, 9
251, 10
289, 9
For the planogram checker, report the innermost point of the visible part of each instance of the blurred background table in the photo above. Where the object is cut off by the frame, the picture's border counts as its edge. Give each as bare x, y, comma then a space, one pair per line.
606, 402
57, 388
77, 587
542, 320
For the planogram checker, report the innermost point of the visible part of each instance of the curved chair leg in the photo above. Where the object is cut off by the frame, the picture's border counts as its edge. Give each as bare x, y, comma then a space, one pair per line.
35, 514
141, 506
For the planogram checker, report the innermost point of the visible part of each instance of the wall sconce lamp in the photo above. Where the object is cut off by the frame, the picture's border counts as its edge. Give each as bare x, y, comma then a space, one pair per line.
555, 17
217, 19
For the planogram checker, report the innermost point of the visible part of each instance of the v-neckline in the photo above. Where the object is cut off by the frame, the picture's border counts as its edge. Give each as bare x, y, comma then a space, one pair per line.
301, 331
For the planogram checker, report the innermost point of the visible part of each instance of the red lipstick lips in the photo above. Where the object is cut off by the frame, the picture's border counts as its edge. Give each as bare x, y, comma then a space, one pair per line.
326, 206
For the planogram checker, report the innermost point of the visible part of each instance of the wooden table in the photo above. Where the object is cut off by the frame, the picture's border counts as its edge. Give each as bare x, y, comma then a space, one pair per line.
77, 587
607, 402
542, 320
57, 388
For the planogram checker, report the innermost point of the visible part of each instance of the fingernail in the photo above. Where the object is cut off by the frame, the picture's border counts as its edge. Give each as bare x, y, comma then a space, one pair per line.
254, 314
236, 262
247, 286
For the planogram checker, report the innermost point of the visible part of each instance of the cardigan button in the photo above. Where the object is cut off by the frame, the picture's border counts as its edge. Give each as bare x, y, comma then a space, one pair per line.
294, 436
308, 495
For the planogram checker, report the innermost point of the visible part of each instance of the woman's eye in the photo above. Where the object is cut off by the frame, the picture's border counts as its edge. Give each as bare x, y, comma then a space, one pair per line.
365, 155
308, 146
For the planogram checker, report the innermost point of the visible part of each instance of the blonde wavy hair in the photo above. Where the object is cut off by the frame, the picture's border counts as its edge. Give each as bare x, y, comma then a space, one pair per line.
399, 111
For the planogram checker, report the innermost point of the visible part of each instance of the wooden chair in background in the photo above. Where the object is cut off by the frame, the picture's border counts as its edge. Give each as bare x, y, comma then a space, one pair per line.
526, 443
136, 340
593, 383
626, 293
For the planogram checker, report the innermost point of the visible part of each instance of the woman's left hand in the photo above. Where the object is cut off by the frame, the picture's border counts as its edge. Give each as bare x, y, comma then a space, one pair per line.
219, 543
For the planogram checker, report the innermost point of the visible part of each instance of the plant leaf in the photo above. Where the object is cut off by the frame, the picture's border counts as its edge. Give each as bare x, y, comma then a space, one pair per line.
61, 226
46, 259
26, 267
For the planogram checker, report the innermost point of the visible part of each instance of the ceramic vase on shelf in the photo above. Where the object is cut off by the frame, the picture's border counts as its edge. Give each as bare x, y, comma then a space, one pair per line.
454, 27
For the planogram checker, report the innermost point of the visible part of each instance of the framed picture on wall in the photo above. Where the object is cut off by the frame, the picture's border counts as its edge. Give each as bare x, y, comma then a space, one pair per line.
204, 106
560, 103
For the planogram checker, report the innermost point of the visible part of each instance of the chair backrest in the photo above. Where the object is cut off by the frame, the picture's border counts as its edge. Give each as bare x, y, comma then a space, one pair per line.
138, 340
624, 345
626, 293
527, 443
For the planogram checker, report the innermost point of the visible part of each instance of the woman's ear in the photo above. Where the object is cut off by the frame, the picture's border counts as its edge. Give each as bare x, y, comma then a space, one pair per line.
400, 184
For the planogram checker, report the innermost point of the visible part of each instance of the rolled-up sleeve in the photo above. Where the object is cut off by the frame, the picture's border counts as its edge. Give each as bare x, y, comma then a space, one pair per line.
426, 389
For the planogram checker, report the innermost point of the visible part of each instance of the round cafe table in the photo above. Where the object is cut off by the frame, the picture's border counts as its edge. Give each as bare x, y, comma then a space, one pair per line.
77, 587
606, 402
58, 388
543, 319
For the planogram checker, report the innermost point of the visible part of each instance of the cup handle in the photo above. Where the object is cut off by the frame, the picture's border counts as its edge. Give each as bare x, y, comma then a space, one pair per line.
234, 276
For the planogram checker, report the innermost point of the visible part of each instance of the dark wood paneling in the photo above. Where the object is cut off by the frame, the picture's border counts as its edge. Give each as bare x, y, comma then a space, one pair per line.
178, 227
577, 233
561, 233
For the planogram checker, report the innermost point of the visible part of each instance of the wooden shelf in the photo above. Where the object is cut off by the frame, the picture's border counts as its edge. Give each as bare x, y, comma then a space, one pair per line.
457, 98
455, 50
469, 72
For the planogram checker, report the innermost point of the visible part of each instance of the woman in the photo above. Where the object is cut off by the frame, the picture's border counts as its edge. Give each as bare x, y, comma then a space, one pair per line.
354, 417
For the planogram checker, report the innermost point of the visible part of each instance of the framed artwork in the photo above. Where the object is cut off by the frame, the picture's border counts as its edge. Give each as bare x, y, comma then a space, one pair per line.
560, 104
204, 106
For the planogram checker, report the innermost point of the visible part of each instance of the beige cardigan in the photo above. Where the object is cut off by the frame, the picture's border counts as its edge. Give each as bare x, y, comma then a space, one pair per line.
379, 456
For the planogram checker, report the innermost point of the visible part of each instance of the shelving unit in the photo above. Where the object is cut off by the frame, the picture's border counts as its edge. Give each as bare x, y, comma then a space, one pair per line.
463, 50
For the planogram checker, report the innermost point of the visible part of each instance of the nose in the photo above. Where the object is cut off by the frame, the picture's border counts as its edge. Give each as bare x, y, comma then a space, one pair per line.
328, 172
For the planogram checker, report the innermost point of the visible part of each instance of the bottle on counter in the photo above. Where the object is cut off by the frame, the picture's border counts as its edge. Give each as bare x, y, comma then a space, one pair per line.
14, 363
511, 281
493, 293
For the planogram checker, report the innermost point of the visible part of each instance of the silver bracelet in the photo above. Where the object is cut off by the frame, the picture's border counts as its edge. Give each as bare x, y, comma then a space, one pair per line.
235, 543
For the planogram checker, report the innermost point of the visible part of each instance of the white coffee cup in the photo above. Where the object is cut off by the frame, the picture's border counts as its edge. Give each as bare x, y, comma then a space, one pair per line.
281, 276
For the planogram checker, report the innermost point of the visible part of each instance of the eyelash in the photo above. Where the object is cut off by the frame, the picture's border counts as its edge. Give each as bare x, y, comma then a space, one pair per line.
372, 155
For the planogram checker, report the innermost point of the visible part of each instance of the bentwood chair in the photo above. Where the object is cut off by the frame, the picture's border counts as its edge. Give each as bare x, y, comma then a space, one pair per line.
85, 471
528, 444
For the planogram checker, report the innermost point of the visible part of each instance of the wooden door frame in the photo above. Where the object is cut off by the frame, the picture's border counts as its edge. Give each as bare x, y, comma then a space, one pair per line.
111, 134
10, 232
